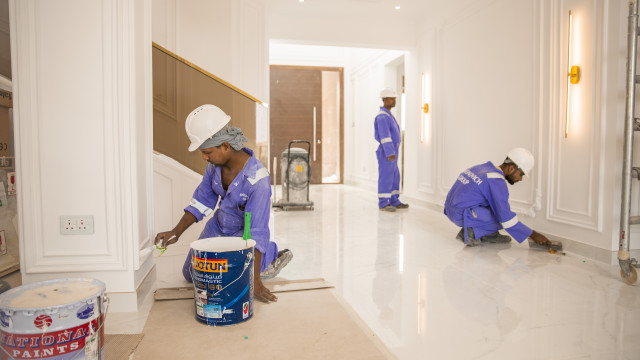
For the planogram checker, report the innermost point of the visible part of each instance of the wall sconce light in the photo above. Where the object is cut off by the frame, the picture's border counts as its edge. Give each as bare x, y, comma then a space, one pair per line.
573, 77
425, 109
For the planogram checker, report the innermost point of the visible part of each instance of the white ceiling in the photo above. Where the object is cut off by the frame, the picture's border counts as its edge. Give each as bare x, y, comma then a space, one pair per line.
410, 10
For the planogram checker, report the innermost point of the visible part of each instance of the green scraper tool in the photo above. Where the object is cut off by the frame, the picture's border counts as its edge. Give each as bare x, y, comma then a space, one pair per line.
247, 226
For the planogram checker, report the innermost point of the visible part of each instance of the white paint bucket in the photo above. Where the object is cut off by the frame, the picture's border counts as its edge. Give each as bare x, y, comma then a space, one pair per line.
56, 319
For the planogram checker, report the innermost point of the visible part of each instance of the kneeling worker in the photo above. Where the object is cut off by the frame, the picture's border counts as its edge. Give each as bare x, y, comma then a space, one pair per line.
478, 202
236, 182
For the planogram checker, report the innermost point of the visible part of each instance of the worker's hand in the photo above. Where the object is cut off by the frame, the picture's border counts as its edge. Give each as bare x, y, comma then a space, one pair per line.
165, 239
540, 239
261, 292
392, 158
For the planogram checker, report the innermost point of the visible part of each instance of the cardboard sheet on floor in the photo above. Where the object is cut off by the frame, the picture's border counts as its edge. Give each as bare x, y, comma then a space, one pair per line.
120, 346
312, 324
276, 286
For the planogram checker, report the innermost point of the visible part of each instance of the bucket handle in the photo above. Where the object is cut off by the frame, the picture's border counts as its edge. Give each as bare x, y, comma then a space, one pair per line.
246, 265
105, 301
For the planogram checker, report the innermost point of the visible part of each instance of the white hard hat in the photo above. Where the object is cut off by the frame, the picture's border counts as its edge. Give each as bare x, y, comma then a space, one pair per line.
203, 122
522, 158
387, 93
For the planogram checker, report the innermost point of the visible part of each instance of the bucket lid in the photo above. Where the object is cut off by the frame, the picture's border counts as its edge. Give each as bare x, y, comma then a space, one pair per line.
51, 294
222, 244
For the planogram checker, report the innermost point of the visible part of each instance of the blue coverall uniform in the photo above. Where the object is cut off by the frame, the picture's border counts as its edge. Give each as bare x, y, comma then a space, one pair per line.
387, 133
250, 192
479, 199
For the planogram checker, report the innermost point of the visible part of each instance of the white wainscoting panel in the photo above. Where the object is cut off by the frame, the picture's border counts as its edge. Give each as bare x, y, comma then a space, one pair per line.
575, 175
76, 132
173, 186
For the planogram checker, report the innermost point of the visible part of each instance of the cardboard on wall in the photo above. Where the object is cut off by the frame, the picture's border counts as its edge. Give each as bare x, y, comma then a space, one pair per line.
6, 102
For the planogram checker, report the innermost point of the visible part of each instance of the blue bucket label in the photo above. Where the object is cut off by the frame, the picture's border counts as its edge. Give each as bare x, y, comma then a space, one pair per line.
85, 312
223, 283
213, 311
5, 319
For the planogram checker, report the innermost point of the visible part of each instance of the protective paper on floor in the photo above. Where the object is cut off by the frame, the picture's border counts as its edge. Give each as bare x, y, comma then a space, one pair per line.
311, 324
120, 347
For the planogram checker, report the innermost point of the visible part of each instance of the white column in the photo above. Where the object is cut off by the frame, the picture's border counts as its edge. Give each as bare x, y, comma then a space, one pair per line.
83, 112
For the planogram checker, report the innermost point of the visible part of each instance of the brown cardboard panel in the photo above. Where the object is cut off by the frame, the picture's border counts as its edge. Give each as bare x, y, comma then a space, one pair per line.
178, 89
186, 292
306, 325
6, 98
5, 135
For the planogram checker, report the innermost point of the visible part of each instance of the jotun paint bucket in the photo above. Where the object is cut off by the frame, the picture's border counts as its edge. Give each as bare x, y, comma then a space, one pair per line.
57, 319
223, 280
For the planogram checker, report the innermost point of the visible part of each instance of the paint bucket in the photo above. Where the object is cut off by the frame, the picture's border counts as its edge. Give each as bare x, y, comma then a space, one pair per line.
55, 319
223, 280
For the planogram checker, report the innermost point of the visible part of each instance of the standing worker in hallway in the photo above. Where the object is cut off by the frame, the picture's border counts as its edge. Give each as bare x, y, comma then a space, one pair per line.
236, 182
387, 134
478, 202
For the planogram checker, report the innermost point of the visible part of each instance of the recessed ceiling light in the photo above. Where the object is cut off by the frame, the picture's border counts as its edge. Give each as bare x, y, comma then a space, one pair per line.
397, 7
300, 0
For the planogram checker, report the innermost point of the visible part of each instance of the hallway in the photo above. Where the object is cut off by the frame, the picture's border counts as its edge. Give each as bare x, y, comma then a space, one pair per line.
428, 297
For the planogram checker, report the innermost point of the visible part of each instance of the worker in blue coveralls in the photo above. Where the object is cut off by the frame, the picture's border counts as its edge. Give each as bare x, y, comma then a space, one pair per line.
236, 182
387, 134
478, 202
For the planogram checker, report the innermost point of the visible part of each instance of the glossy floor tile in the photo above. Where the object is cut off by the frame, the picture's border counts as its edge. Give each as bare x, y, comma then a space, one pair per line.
429, 297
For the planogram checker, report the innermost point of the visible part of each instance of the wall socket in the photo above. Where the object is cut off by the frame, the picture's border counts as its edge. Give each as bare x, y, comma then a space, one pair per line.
76, 225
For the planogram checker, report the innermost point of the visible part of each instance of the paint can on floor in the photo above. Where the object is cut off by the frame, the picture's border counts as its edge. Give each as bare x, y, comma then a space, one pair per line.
223, 280
57, 319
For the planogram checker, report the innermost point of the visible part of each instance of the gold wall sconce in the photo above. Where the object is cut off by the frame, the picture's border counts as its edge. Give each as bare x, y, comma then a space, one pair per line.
573, 77
425, 108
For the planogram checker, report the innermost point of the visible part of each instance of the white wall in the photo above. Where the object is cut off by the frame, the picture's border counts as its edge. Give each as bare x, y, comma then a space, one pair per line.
495, 73
226, 38
497, 81
174, 185
83, 129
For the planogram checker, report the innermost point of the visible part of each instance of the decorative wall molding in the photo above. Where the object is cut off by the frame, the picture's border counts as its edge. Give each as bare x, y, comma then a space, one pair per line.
164, 25
427, 186
117, 221
249, 47
562, 185
164, 95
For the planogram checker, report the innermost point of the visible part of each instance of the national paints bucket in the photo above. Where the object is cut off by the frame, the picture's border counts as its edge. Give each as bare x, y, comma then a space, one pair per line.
223, 280
55, 319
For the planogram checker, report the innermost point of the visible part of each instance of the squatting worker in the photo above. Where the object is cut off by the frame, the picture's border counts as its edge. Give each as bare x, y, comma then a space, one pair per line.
236, 182
387, 133
478, 202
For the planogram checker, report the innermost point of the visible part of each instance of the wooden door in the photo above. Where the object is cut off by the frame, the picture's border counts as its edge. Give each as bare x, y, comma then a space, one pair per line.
296, 95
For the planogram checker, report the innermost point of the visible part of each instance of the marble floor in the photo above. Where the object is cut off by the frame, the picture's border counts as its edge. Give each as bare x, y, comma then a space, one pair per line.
429, 297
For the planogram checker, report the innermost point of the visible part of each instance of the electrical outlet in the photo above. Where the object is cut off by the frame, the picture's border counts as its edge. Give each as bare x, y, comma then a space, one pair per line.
76, 225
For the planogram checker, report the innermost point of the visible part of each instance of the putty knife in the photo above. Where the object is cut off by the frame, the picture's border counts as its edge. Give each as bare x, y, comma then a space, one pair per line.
555, 246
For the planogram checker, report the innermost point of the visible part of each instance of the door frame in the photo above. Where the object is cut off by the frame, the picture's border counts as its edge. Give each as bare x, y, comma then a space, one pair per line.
340, 70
